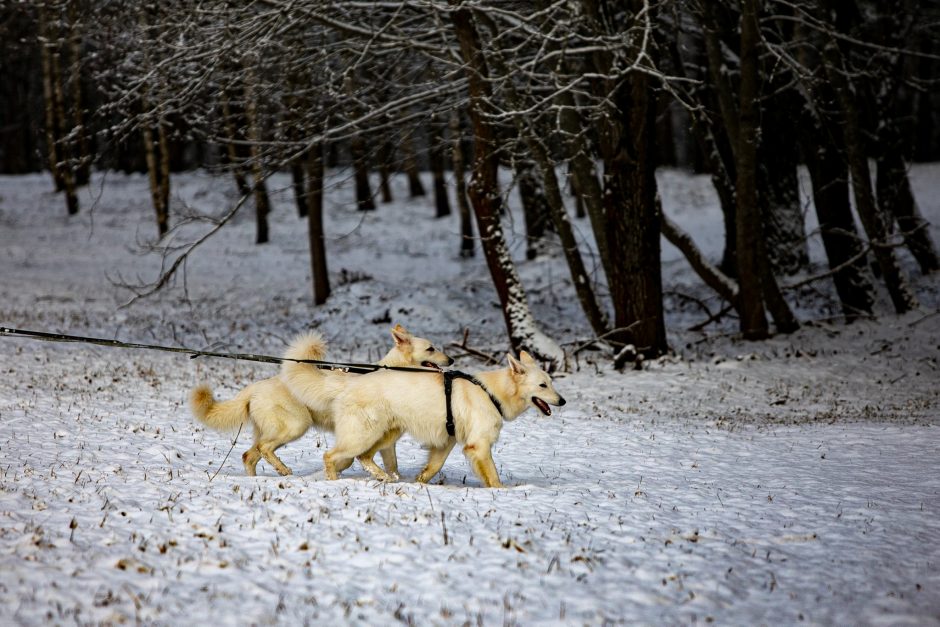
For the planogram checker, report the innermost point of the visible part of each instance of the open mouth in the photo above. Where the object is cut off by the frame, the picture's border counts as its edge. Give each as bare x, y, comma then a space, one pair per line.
432, 366
542, 406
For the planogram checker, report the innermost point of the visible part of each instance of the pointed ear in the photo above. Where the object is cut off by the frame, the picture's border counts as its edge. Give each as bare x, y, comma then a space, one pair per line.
527, 359
401, 335
515, 365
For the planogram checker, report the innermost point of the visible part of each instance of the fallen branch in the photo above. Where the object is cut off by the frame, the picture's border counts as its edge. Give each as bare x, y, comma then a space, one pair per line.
474, 351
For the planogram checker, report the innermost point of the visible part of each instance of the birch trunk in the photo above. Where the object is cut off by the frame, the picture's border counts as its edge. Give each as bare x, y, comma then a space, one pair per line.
524, 334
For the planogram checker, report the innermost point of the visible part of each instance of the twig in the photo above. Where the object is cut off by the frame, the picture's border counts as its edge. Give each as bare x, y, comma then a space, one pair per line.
604, 336
919, 320
714, 318
473, 351
219, 469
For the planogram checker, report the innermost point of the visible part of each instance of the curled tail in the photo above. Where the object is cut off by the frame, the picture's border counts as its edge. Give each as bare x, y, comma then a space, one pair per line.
224, 416
306, 382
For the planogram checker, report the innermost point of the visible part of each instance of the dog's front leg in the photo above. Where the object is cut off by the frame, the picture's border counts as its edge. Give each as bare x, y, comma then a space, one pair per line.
436, 458
481, 458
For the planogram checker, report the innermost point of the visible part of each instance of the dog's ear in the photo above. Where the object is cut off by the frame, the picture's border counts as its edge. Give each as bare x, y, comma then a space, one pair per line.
517, 366
401, 335
527, 359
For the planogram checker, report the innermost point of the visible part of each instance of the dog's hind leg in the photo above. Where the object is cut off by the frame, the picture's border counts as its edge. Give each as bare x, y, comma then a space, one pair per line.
250, 459
267, 452
385, 444
481, 459
436, 458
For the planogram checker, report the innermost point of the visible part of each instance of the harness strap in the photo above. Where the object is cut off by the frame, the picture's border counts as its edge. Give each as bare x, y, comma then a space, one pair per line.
449, 377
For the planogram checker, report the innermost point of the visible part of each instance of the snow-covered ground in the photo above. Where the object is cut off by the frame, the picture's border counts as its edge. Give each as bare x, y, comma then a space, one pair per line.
793, 480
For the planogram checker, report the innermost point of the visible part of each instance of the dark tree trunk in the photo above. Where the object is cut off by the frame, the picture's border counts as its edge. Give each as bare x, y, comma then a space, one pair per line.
299, 186
458, 161
436, 156
897, 201
364, 200
534, 207
410, 164
749, 237
232, 155
584, 174
779, 195
830, 180
872, 219
319, 273
384, 158
60, 163
632, 217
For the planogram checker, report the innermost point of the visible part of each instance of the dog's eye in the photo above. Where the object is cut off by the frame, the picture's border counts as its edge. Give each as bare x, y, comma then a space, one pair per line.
543, 385
431, 349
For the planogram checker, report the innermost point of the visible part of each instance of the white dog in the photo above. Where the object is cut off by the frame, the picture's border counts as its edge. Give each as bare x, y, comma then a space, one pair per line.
374, 409
278, 417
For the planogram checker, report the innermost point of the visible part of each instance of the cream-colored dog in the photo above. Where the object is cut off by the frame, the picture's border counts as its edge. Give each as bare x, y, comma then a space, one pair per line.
278, 417
374, 409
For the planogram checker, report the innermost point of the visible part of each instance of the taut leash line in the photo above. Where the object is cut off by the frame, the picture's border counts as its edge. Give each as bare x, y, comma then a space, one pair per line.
193, 354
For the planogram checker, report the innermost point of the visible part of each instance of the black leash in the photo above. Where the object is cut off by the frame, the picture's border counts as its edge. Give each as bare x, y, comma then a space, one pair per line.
449, 377
193, 354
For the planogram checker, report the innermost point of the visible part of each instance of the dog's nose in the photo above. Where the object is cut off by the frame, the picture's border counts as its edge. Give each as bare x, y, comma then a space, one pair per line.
450, 361
561, 400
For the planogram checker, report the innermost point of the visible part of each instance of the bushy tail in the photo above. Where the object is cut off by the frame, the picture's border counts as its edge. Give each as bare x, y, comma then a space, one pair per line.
305, 381
224, 416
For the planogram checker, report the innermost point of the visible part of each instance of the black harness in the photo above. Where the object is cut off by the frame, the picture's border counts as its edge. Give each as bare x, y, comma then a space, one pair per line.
449, 377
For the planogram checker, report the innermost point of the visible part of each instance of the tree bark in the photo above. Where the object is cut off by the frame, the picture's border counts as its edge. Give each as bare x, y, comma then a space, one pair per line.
364, 200
58, 150
315, 231
829, 177
410, 163
457, 159
892, 274
632, 217
534, 207
384, 159
436, 157
259, 187
897, 201
484, 194
753, 319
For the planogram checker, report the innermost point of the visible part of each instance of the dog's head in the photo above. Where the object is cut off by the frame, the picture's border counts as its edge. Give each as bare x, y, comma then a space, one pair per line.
418, 351
534, 384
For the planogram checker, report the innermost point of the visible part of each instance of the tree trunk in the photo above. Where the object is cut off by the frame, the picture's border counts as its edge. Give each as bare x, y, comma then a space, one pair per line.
484, 194
410, 163
830, 180
59, 157
298, 184
632, 217
315, 232
83, 153
357, 148
779, 196
436, 157
894, 278
584, 174
231, 148
897, 202
259, 187
749, 238
384, 158
534, 207
457, 159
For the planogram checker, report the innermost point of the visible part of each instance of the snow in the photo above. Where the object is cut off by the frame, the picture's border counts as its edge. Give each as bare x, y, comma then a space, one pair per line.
793, 480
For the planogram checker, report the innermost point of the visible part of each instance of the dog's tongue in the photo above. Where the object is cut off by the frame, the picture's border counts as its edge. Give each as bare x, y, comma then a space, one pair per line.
542, 406
427, 364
